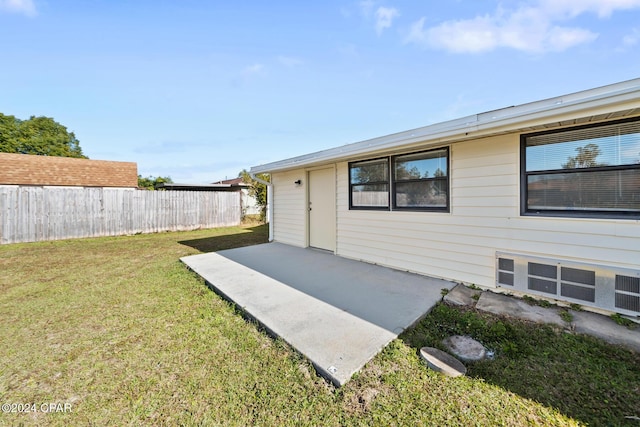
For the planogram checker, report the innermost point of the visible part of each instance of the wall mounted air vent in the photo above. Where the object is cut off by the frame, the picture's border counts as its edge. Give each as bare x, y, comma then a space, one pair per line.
606, 287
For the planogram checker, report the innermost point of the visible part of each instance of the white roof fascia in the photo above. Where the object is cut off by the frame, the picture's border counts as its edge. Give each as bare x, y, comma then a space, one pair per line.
476, 126
177, 184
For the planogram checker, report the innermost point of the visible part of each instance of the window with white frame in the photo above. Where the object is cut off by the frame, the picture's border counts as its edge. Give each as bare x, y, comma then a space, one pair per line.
591, 171
417, 181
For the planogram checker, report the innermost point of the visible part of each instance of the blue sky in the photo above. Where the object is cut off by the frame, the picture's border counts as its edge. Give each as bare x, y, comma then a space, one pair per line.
198, 90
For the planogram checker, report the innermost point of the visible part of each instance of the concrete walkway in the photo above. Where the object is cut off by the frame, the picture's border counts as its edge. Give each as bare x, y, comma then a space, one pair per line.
339, 313
582, 322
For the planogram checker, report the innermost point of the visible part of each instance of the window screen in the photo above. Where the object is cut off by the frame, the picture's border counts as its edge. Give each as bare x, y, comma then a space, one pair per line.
420, 180
592, 170
369, 184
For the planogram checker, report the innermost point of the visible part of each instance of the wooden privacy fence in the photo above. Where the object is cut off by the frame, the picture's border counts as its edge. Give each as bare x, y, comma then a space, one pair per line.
30, 214
370, 198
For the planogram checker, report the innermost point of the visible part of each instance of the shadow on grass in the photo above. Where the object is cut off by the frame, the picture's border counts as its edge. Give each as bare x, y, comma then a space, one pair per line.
581, 376
249, 236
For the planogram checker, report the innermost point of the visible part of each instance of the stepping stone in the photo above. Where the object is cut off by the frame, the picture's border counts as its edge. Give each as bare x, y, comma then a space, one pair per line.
505, 305
442, 362
462, 295
466, 348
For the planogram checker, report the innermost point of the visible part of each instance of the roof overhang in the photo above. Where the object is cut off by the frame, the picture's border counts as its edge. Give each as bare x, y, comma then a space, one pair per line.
607, 102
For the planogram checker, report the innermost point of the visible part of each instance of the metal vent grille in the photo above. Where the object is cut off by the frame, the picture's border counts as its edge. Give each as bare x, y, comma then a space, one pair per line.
628, 284
607, 287
578, 283
542, 285
505, 271
539, 275
586, 277
628, 293
543, 270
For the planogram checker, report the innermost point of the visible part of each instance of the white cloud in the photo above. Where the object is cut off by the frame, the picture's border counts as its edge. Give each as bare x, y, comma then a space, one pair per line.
631, 39
572, 8
252, 70
632, 153
366, 7
477, 35
533, 28
26, 7
384, 18
289, 61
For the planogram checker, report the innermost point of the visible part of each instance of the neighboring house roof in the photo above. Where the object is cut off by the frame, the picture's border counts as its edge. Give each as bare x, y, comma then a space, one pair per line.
577, 108
28, 169
233, 181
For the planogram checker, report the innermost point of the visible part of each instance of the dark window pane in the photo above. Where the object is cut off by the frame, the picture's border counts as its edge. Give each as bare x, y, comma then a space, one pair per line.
613, 190
432, 164
369, 171
370, 195
610, 145
421, 194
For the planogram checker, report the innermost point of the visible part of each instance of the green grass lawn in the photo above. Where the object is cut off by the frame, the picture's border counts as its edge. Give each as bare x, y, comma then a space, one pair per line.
120, 331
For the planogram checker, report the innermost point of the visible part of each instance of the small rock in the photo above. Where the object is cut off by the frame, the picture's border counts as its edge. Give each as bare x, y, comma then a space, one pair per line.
466, 348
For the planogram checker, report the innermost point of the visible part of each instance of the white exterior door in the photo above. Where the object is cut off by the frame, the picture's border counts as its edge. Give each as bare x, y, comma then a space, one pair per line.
322, 209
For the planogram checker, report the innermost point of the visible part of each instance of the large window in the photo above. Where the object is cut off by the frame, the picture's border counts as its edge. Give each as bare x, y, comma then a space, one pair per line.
419, 181
585, 171
369, 184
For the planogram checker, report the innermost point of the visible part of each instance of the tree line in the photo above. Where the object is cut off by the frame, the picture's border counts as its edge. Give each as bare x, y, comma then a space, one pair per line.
44, 136
37, 135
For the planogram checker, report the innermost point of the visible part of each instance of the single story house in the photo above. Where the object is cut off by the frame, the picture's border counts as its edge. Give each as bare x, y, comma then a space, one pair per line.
540, 199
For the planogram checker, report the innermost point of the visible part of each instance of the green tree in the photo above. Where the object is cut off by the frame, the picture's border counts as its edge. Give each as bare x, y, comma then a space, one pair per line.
403, 173
586, 158
37, 135
8, 134
150, 182
370, 172
257, 190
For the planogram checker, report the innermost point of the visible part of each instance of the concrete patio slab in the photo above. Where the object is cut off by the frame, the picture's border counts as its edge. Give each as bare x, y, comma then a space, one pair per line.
337, 312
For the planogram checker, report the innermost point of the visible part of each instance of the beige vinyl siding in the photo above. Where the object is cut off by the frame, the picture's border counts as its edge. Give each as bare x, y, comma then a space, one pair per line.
484, 218
289, 213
